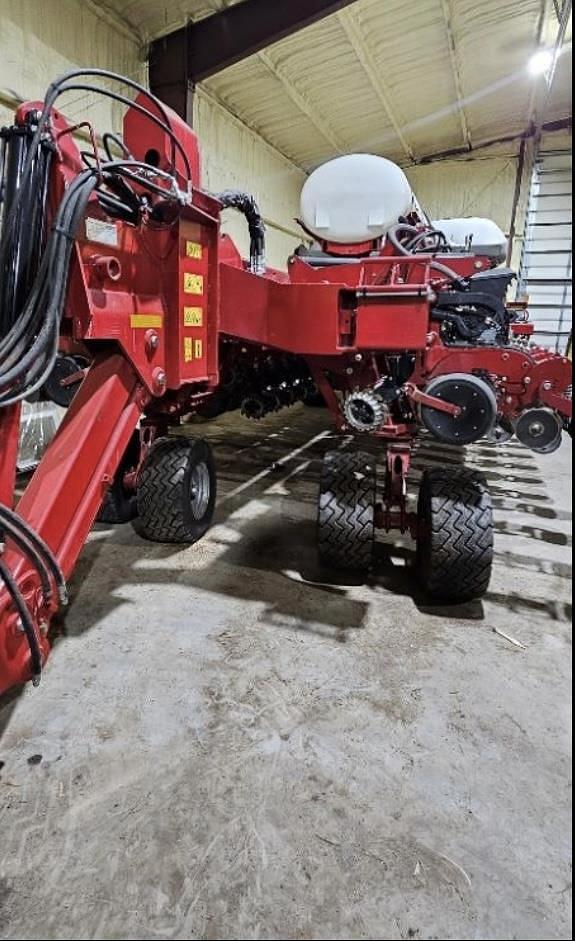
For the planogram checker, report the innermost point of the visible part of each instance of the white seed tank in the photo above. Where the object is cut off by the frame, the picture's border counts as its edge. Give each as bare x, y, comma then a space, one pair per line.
482, 236
355, 199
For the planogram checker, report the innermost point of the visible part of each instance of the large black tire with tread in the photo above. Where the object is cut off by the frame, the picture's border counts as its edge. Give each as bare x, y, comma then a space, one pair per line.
347, 503
176, 492
455, 546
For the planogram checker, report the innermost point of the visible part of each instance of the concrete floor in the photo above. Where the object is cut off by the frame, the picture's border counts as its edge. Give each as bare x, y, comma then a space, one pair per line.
229, 745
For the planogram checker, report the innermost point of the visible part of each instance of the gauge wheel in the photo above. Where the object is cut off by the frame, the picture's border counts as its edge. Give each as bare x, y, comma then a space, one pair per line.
176, 491
347, 503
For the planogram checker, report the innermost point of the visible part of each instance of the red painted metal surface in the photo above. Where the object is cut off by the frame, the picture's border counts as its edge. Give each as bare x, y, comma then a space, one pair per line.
150, 305
143, 304
522, 378
328, 311
65, 494
9, 438
147, 142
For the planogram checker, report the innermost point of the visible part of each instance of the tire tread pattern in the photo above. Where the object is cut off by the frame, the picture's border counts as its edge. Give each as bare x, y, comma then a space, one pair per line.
163, 494
456, 549
347, 510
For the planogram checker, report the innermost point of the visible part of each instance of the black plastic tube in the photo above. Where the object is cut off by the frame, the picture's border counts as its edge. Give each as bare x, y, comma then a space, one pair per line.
40, 545
17, 536
247, 205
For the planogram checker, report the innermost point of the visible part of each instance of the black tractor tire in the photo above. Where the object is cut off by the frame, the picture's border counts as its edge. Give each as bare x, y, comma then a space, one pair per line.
347, 501
456, 537
177, 487
120, 505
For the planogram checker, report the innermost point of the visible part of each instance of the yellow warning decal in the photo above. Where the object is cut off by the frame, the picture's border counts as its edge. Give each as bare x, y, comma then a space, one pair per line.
193, 283
193, 317
146, 321
194, 250
193, 349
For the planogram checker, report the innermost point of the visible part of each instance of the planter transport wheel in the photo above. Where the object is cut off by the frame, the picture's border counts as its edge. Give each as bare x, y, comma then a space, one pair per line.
347, 511
176, 491
455, 544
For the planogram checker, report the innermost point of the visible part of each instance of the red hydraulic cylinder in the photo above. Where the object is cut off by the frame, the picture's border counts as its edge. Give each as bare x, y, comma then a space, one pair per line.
63, 498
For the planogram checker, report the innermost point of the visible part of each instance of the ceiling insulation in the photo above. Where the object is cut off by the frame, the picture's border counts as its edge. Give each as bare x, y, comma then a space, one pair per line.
405, 80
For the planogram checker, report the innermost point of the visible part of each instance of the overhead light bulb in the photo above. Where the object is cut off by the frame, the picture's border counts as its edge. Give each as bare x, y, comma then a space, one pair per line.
541, 63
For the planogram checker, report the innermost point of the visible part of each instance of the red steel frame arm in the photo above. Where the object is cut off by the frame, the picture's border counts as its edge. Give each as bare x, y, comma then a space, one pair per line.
63, 498
9, 440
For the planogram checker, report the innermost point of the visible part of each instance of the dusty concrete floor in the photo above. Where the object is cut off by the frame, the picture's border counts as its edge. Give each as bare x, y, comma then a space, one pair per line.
234, 747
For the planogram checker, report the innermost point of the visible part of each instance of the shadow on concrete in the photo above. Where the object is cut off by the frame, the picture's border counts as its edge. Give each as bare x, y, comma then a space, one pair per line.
268, 555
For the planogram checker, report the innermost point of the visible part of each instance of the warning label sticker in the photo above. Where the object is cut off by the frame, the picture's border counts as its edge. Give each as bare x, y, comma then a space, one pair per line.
193, 284
193, 349
193, 317
194, 250
105, 233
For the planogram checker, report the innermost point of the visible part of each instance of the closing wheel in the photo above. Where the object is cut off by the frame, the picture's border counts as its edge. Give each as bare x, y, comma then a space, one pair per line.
477, 401
455, 543
347, 511
176, 491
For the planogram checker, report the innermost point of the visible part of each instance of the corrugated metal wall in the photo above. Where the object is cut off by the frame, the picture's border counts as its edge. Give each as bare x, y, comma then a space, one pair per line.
547, 268
235, 157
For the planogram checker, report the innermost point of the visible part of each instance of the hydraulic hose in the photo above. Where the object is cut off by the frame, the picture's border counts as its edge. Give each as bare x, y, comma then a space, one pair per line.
393, 236
28, 353
8, 518
17, 536
247, 205
66, 83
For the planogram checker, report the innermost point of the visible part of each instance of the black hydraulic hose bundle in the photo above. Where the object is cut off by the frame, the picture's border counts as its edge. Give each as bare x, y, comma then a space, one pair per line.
25, 206
28, 352
29, 347
394, 236
36, 548
247, 205
33, 294
50, 574
419, 243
